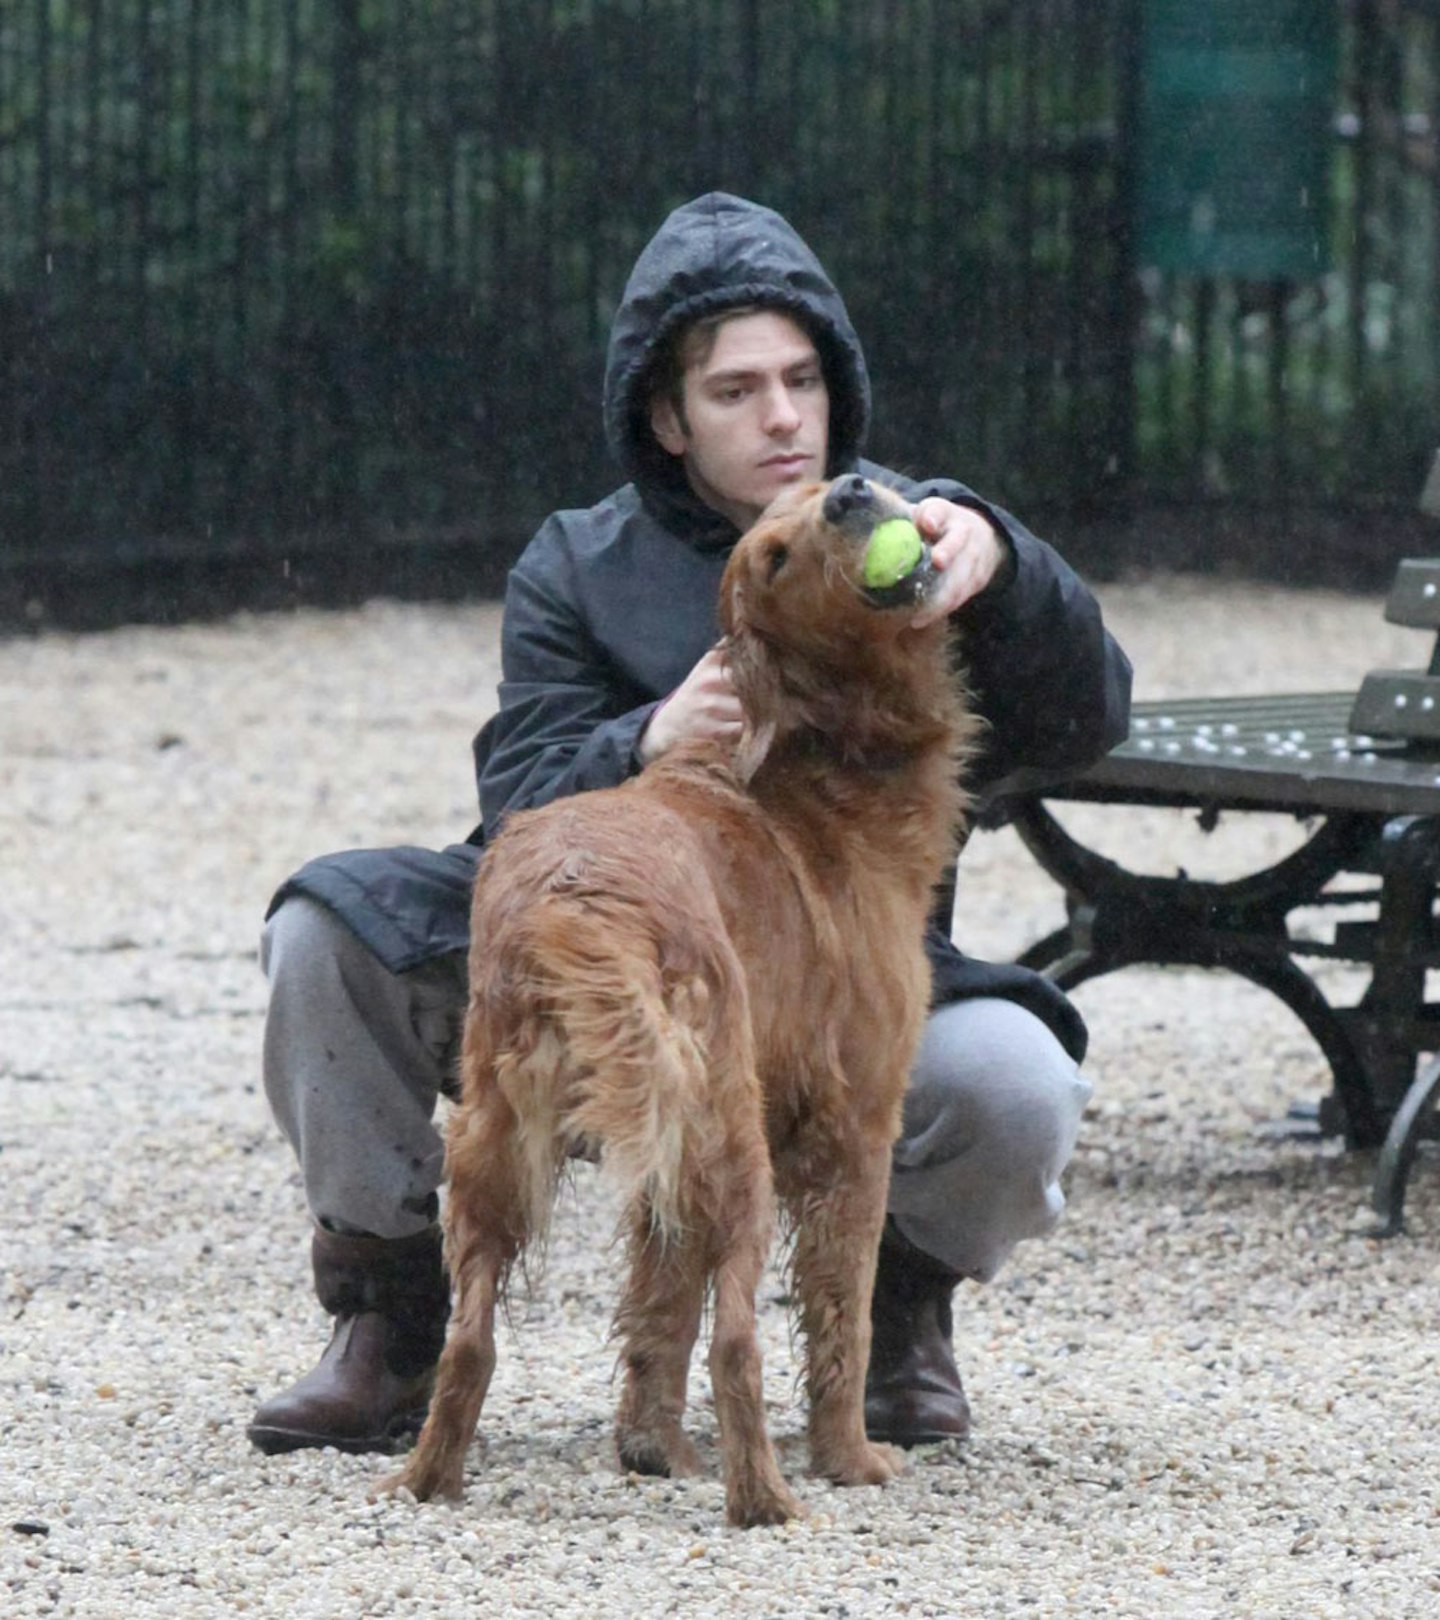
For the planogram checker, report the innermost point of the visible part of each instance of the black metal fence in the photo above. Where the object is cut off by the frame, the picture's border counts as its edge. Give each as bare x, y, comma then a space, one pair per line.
295, 279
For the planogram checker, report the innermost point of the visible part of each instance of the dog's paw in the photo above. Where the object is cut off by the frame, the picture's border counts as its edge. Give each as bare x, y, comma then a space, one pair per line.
396, 1484
415, 1485
667, 1456
762, 1504
869, 1464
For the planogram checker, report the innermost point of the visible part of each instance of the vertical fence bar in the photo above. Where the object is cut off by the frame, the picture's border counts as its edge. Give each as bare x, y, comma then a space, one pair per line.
1278, 293
446, 178
1204, 370
1366, 23
543, 218
404, 201
44, 132
1074, 405
1025, 68
43, 480
1124, 303
10, 145
345, 113
185, 21
1236, 413
1432, 58
141, 199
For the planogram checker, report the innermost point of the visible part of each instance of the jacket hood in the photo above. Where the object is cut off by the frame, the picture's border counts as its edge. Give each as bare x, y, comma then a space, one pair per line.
709, 255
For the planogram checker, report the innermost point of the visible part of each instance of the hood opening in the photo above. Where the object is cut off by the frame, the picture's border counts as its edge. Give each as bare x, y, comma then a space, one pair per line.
712, 254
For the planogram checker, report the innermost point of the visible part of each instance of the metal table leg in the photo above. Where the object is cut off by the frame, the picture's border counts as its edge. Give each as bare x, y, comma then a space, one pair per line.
1392, 1171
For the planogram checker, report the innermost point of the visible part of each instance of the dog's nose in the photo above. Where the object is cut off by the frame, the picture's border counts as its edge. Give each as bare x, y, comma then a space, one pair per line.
848, 494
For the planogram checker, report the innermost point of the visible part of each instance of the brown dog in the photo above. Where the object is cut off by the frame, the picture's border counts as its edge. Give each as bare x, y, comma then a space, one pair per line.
715, 974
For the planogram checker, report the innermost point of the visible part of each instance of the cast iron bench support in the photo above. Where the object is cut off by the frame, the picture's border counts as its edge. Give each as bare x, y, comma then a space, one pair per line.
1377, 805
1118, 919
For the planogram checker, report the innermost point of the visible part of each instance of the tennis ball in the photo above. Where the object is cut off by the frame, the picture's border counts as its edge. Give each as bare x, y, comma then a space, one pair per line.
894, 550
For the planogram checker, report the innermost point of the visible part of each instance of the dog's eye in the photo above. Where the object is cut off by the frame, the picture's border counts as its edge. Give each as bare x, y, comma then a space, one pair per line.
775, 560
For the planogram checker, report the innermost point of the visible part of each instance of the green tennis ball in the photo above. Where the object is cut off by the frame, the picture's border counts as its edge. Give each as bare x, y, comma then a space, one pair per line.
895, 548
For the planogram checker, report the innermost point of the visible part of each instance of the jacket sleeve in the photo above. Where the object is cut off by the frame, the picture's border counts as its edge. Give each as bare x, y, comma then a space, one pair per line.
568, 719
1045, 672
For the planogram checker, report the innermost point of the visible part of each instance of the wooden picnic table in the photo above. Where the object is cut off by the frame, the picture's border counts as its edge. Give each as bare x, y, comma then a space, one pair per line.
1371, 803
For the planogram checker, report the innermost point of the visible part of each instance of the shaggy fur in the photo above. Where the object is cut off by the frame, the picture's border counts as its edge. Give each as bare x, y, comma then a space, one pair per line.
715, 974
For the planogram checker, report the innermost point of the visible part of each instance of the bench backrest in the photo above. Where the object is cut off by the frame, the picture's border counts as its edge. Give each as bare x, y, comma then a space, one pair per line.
1406, 702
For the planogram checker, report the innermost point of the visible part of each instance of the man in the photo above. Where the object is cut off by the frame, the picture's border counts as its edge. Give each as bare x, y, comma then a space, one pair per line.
733, 372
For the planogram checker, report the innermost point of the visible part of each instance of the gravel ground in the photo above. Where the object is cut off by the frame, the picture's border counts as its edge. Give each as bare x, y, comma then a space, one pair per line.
1208, 1394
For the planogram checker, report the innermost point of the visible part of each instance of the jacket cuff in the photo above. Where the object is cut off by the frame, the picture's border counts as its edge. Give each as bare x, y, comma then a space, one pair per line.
645, 714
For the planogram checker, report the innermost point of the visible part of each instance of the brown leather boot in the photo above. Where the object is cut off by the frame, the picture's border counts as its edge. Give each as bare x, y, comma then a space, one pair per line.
371, 1388
913, 1393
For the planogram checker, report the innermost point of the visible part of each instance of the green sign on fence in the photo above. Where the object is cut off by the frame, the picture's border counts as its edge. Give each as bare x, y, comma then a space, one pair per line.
1237, 100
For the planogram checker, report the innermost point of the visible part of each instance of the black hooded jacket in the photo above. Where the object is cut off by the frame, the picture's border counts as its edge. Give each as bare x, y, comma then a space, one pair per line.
608, 609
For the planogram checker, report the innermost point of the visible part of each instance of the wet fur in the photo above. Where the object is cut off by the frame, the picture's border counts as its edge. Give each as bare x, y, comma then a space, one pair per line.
715, 973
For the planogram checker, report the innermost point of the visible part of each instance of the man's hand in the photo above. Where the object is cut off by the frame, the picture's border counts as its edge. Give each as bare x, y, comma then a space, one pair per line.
704, 705
966, 551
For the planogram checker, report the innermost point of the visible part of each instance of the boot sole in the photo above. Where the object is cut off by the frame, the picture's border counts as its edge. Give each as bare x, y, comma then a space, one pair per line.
398, 1436
916, 1437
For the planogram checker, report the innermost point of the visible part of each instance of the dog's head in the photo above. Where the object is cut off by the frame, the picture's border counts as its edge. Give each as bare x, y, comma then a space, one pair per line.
803, 627
799, 574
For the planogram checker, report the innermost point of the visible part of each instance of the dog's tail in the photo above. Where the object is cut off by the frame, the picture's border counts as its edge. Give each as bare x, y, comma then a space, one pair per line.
626, 1036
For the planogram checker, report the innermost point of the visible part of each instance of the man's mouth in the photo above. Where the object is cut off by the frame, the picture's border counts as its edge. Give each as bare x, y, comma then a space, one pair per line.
788, 458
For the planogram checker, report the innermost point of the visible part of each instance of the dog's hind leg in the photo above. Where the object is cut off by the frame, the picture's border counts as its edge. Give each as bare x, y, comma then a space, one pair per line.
658, 1322
484, 1234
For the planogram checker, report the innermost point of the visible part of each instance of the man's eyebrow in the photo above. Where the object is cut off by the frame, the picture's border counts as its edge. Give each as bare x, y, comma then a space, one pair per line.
746, 373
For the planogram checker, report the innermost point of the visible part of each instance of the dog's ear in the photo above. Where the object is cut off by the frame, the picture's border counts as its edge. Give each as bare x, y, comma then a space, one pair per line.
756, 677
755, 662
752, 749
731, 608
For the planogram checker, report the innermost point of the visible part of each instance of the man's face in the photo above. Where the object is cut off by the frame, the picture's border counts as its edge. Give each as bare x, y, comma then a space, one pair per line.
757, 416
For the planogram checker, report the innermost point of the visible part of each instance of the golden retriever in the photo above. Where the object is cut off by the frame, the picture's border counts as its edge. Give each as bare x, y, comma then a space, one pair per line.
714, 973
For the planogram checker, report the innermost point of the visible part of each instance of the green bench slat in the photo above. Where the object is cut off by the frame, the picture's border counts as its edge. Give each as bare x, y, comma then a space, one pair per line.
1398, 703
1414, 598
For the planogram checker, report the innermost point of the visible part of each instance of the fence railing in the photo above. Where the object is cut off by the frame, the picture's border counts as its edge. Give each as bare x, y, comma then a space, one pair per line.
290, 274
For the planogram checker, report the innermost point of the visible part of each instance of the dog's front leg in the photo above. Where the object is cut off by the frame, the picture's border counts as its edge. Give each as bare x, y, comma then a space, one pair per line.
837, 1224
436, 1466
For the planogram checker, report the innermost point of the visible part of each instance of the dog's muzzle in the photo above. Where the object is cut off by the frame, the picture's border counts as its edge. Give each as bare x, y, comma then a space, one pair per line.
854, 505
852, 496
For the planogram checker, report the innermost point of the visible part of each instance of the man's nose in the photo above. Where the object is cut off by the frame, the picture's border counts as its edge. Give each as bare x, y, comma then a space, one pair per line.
781, 413
848, 494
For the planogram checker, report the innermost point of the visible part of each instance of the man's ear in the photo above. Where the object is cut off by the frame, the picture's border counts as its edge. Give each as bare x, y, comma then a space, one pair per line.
665, 425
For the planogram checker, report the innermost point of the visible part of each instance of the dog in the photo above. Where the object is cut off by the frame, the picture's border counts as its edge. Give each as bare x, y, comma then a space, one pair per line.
714, 974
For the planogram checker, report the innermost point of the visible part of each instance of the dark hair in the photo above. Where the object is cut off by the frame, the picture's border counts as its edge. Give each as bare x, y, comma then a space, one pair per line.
692, 342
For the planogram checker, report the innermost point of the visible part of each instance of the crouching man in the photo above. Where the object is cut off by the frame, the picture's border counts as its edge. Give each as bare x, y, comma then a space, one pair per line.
733, 372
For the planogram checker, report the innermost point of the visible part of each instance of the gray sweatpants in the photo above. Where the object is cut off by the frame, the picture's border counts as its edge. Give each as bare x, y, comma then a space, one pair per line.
355, 1056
